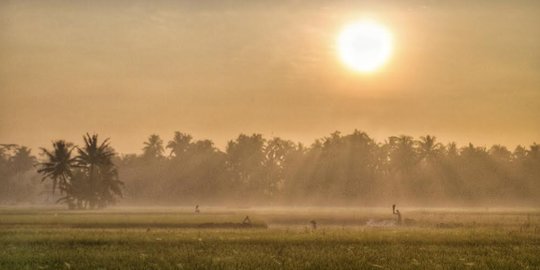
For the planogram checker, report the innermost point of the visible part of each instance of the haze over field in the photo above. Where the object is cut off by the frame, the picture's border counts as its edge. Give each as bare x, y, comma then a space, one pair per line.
291, 134
464, 71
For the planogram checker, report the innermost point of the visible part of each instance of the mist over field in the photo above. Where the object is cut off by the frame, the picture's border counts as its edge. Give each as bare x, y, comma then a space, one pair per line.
272, 135
257, 91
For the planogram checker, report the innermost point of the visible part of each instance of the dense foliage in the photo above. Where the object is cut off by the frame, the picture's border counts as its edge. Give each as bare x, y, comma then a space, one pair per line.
350, 169
88, 180
339, 169
18, 181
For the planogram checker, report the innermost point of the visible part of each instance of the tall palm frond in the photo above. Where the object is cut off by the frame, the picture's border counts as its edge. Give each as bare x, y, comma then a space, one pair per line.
58, 164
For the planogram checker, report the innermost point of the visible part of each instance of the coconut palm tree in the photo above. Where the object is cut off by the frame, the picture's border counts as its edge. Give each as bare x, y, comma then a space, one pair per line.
77, 191
403, 155
58, 165
153, 148
96, 160
22, 160
110, 185
428, 147
179, 144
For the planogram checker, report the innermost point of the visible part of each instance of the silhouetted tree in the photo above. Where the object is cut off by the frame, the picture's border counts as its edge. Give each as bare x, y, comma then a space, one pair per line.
500, 153
22, 160
153, 148
402, 153
58, 165
277, 158
337, 169
15, 161
428, 148
87, 180
245, 159
96, 160
179, 145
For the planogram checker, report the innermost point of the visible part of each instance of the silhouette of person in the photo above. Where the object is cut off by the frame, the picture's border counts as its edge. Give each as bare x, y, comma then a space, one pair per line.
246, 221
396, 212
313, 224
197, 211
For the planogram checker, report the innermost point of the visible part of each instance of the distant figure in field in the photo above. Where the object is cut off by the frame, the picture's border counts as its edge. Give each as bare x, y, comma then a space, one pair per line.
396, 212
246, 221
313, 224
197, 211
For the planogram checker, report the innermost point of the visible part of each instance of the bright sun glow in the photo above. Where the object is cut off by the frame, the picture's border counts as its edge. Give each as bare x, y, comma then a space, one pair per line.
365, 46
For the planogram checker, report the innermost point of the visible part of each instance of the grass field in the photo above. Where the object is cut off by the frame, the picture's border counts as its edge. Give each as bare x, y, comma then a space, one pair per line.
173, 238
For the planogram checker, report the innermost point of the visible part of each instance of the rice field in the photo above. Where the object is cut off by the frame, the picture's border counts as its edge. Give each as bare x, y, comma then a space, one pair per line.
276, 238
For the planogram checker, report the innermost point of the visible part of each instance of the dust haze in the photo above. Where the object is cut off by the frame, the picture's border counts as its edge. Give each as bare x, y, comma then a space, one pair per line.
291, 134
465, 72
241, 104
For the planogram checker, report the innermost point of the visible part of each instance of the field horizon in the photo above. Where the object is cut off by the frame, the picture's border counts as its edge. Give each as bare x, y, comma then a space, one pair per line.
362, 238
271, 135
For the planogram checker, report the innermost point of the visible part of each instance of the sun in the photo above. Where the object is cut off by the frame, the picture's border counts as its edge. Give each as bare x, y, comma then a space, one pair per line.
365, 46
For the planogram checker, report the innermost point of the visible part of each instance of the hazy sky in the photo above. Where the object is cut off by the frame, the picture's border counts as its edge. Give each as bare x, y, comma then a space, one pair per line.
461, 70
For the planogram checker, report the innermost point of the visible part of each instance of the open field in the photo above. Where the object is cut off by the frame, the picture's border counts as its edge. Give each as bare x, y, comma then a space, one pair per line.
173, 238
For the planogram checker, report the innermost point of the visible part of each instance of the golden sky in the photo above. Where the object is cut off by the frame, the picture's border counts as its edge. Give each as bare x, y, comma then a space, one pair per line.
461, 70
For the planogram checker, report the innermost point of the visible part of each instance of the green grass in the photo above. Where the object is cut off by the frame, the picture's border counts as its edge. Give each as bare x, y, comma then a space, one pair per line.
169, 239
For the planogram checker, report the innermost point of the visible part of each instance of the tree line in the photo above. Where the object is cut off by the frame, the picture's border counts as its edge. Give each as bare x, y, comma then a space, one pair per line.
18, 180
84, 177
88, 179
350, 169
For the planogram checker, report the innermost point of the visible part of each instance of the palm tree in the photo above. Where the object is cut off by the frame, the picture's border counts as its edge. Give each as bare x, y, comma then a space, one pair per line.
451, 150
110, 185
90, 179
402, 153
58, 165
153, 148
203, 146
500, 153
77, 192
5, 160
179, 144
96, 159
428, 148
22, 160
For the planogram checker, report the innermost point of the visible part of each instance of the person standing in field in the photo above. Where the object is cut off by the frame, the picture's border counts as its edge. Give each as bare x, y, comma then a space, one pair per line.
396, 212
246, 221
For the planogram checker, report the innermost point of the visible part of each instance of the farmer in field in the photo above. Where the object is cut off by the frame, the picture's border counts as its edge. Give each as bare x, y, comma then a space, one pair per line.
197, 211
396, 212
